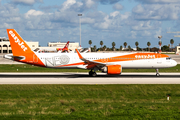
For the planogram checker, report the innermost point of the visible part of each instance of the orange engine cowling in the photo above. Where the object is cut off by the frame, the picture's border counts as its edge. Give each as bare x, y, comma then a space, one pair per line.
114, 69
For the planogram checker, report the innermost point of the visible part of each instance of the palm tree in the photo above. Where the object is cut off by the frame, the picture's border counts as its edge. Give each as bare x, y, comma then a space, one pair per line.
169, 46
104, 48
172, 42
125, 44
148, 44
90, 42
121, 47
95, 48
136, 43
108, 49
129, 47
101, 43
113, 44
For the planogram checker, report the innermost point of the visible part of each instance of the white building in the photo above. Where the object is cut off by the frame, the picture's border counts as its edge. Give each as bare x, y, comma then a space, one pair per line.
177, 49
72, 46
128, 49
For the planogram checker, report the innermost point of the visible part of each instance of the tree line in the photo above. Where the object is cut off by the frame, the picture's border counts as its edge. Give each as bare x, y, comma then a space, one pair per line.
104, 48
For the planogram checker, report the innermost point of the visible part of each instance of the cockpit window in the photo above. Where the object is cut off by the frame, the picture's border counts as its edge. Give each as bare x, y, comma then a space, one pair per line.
168, 58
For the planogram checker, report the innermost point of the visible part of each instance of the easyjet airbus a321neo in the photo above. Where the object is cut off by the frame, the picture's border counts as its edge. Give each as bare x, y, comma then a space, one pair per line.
110, 63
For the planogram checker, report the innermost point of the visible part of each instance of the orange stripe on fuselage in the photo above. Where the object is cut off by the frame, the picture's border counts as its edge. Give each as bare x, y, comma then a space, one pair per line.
130, 57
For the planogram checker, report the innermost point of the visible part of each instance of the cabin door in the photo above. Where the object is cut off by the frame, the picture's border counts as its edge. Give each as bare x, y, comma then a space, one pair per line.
35, 58
159, 61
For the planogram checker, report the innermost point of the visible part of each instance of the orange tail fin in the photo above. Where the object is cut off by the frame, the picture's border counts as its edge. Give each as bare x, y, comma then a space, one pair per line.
18, 45
21, 51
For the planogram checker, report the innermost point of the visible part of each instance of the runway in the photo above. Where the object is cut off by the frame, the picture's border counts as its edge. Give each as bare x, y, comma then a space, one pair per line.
83, 78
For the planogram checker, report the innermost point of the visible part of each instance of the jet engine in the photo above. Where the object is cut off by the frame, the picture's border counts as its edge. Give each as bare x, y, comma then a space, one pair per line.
112, 69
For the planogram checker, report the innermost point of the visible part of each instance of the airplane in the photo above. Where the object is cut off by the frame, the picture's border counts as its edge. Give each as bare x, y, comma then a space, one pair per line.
65, 47
54, 49
110, 63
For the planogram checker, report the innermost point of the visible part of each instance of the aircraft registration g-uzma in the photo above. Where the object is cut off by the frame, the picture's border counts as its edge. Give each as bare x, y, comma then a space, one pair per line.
110, 63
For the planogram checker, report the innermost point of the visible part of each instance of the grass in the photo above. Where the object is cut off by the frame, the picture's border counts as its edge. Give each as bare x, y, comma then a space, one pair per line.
30, 68
80, 102
168, 53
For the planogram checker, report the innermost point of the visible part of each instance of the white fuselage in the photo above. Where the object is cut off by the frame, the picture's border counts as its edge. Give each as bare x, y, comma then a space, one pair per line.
71, 60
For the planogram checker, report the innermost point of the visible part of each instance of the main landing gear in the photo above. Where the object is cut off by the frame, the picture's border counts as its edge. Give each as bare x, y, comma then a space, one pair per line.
157, 73
93, 74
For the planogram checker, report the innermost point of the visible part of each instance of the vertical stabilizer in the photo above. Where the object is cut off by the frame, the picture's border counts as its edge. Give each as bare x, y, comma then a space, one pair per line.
67, 45
21, 51
18, 45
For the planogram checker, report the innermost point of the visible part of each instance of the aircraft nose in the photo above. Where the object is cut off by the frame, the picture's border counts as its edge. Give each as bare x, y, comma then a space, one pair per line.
174, 63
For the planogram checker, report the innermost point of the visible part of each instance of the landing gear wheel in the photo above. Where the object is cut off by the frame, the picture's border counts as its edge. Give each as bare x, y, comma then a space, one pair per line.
90, 73
157, 74
93, 74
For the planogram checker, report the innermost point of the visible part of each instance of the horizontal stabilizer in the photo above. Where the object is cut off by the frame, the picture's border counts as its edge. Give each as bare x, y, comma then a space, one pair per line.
11, 57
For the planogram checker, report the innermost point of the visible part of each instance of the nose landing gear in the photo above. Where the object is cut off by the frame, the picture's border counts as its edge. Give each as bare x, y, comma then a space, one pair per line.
157, 73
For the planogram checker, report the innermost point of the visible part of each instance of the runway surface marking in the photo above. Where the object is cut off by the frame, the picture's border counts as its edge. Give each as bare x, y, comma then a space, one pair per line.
83, 78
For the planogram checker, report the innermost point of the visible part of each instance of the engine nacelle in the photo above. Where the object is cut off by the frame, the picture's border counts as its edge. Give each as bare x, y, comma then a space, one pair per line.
112, 69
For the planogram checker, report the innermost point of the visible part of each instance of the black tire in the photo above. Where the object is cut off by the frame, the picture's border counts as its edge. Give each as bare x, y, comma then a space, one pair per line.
157, 74
90, 73
94, 74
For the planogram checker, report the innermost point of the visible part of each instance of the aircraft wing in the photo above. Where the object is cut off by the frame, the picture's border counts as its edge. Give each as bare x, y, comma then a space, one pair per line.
90, 64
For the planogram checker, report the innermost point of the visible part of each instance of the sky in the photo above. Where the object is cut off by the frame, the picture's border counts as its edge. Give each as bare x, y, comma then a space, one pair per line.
109, 21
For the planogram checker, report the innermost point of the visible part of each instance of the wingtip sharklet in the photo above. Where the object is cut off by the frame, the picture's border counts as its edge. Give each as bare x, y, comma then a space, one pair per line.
80, 56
